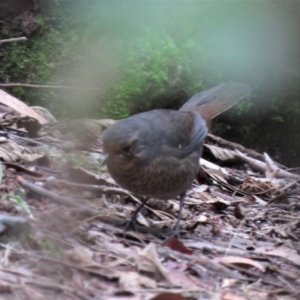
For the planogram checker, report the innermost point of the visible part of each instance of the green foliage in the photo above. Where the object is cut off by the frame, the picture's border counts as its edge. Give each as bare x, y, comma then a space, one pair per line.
242, 107
37, 60
143, 55
19, 200
148, 73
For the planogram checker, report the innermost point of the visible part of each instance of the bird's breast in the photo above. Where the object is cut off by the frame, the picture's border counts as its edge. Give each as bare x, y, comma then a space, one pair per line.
164, 177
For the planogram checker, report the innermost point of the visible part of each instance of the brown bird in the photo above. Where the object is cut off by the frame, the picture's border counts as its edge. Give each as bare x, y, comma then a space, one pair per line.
156, 153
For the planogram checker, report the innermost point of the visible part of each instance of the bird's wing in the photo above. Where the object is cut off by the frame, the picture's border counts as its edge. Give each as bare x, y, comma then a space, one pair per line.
212, 102
197, 135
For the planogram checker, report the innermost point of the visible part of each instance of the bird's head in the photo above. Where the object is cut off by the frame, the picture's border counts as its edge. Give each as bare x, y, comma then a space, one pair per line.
123, 148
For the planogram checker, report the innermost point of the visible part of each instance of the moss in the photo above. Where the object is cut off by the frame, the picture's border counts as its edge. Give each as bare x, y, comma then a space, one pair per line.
148, 72
145, 64
36, 61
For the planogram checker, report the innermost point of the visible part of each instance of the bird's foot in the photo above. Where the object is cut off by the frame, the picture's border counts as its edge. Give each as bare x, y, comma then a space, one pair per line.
131, 224
173, 233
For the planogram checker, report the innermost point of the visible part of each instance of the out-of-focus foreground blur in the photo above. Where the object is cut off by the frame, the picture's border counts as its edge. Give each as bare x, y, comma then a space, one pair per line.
140, 55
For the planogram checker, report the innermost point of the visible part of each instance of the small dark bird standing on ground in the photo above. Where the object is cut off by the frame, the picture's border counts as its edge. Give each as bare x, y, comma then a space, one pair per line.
156, 153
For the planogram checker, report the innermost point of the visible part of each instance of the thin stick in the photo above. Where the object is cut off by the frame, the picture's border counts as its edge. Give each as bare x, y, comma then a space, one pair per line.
55, 197
19, 39
48, 86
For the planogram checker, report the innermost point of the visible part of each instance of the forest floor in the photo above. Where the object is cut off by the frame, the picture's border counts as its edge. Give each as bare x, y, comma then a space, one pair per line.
62, 232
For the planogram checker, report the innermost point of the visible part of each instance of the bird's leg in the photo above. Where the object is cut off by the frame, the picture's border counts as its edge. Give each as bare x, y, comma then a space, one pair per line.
176, 229
175, 232
134, 215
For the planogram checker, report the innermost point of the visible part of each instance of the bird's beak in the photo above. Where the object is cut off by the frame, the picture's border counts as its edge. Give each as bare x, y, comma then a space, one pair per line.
105, 158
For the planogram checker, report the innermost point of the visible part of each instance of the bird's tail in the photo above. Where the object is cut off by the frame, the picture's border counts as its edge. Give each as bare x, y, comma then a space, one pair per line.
212, 102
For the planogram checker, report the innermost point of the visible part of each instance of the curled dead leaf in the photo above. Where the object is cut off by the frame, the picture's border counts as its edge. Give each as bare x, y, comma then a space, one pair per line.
178, 246
131, 280
32, 293
12, 152
168, 296
284, 252
228, 260
82, 256
202, 218
227, 295
5, 287
271, 168
211, 166
148, 262
221, 153
20, 106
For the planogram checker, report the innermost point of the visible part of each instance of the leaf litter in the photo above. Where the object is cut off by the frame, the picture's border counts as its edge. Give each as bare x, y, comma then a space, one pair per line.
65, 240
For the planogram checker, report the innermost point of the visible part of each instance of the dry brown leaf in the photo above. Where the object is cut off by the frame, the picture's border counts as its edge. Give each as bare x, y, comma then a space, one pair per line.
259, 294
228, 282
148, 261
212, 166
259, 200
8, 276
23, 169
202, 218
219, 202
227, 295
168, 296
271, 167
123, 297
200, 188
20, 106
261, 167
217, 175
142, 220
5, 110
5, 287
12, 152
131, 280
178, 246
288, 254
221, 153
179, 274
237, 260
32, 293
251, 186
148, 282
83, 257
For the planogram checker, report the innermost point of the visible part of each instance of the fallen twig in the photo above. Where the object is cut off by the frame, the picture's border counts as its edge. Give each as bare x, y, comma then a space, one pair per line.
86, 211
55, 197
48, 86
261, 167
288, 186
19, 39
236, 146
90, 187
282, 192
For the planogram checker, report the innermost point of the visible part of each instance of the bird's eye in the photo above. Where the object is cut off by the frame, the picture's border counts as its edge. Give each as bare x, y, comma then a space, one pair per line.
126, 149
